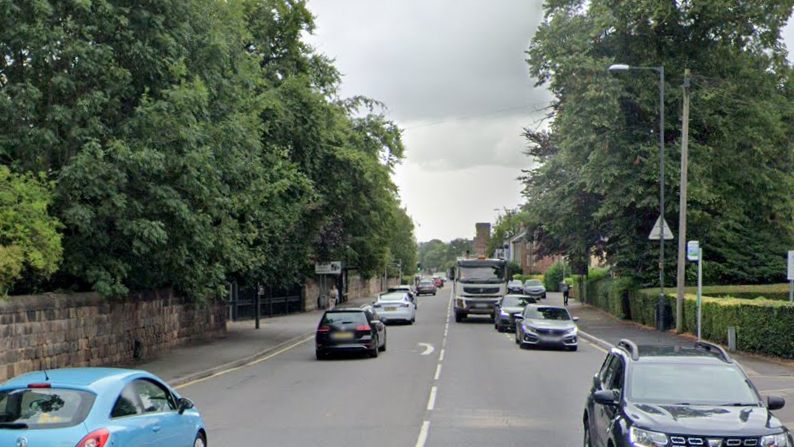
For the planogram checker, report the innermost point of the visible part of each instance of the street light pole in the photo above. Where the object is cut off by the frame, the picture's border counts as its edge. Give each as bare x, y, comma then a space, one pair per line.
681, 278
660, 69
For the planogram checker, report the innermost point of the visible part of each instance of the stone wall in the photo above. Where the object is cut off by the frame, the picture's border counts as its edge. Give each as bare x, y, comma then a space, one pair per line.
56, 331
358, 288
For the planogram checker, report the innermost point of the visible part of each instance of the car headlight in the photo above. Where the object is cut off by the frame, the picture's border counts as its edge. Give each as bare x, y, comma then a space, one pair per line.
572, 330
647, 438
778, 440
503, 314
529, 329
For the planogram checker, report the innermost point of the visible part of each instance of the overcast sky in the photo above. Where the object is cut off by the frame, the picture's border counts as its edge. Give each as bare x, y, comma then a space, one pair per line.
453, 75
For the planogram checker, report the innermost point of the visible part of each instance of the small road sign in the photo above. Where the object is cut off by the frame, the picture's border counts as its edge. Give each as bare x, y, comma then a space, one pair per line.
692, 250
656, 233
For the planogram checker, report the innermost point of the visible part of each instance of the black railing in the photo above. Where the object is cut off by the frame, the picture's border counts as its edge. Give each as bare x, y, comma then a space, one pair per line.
272, 301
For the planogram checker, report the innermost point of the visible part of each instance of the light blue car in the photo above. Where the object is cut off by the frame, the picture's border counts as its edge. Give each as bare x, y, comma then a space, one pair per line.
96, 407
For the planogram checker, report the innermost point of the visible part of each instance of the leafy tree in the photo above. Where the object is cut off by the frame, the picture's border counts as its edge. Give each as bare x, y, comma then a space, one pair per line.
507, 226
597, 184
29, 241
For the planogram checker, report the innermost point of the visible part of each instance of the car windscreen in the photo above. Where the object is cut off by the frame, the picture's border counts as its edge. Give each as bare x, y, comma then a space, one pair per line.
514, 283
44, 408
392, 298
516, 301
344, 318
481, 274
426, 283
687, 384
534, 283
547, 313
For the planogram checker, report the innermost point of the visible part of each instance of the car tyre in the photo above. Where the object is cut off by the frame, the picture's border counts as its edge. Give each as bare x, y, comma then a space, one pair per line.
518, 341
458, 317
321, 355
383, 348
200, 440
573, 348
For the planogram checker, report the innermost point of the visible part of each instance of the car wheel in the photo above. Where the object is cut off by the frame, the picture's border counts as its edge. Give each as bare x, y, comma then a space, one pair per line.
383, 348
573, 348
200, 441
458, 317
434, 293
320, 355
518, 340
587, 442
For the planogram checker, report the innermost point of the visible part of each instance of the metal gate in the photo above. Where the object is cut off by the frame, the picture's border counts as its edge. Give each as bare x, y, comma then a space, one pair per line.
273, 301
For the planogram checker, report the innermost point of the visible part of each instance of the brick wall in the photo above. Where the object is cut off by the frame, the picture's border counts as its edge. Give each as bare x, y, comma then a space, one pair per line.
56, 331
483, 235
357, 288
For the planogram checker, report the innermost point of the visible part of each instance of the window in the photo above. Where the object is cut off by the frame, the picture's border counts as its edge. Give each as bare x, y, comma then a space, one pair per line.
617, 376
45, 408
692, 384
608, 377
602, 374
154, 398
127, 404
344, 318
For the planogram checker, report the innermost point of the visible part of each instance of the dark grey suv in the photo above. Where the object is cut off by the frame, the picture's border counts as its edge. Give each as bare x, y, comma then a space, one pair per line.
669, 396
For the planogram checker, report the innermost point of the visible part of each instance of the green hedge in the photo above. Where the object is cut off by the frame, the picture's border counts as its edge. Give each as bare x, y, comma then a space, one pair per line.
524, 278
553, 277
762, 326
770, 291
612, 295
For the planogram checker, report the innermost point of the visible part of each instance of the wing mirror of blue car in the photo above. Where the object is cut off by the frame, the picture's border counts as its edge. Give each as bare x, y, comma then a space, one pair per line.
575, 319
518, 317
775, 402
606, 397
184, 404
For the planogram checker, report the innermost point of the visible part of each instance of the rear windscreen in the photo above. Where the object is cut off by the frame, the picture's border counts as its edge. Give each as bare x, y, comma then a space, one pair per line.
44, 408
344, 318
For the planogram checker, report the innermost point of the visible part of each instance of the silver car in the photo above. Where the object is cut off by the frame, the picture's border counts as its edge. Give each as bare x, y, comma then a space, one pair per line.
546, 326
395, 306
535, 289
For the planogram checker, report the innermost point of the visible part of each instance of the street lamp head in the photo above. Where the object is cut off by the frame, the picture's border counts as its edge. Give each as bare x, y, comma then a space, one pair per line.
618, 67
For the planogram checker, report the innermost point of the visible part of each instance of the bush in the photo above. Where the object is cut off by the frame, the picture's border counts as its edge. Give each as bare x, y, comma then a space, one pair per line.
553, 277
769, 291
612, 295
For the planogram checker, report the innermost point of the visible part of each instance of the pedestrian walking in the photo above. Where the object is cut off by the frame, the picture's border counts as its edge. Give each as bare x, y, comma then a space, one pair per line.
565, 291
333, 297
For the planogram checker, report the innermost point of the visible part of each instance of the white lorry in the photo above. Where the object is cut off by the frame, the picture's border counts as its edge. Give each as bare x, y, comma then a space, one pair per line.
479, 284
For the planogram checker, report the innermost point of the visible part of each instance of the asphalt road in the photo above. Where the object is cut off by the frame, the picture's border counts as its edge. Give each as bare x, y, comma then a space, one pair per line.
439, 383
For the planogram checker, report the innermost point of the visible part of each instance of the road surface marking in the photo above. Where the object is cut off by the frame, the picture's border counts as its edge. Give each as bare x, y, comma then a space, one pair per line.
596, 346
431, 403
423, 434
236, 368
428, 348
438, 372
441, 357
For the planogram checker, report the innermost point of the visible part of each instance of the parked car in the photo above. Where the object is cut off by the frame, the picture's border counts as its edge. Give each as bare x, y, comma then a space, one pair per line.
96, 407
407, 289
535, 288
547, 326
350, 330
678, 396
395, 306
426, 286
515, 286
507, 308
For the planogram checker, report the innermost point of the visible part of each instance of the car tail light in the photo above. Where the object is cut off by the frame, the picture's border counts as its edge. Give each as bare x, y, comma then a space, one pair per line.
364, 327
323, 329
39, 385
98, 438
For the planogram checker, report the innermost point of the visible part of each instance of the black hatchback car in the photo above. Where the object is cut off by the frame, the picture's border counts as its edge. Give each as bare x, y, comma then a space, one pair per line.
350, 330
678, 396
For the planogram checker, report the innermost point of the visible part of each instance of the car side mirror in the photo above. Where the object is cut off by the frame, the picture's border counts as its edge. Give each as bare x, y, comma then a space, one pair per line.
518, 317
575, 319
775, 402
376, 322
606, 397
596, 382
184, 404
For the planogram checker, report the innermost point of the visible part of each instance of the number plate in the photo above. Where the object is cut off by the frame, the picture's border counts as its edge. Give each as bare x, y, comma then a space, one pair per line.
342, 336
391, 309
481, 305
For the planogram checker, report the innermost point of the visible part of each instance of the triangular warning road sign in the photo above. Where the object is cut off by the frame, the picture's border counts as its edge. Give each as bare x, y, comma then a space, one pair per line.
656, 233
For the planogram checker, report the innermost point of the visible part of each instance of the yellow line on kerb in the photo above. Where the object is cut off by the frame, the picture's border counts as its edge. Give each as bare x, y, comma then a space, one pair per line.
251, 363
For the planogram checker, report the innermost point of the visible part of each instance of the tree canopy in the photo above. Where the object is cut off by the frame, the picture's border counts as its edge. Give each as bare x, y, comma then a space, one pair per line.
192, 143
597, 184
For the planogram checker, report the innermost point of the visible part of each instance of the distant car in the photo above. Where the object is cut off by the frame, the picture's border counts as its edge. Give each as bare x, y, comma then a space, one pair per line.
515, 286
535, 288
350, 330
507, 308
395, 306
407, 289
426, 287
96, 407
547, 326
438, 282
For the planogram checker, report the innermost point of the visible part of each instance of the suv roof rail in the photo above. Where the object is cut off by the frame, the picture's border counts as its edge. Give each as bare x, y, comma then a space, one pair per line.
630, 347
712, 348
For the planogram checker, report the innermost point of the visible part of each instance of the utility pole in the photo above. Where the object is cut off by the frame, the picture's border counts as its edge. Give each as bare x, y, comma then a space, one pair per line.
679, 302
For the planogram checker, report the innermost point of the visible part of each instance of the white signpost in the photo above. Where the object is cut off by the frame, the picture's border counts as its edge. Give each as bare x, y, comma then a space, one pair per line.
695, 254
791, 275
328, 268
